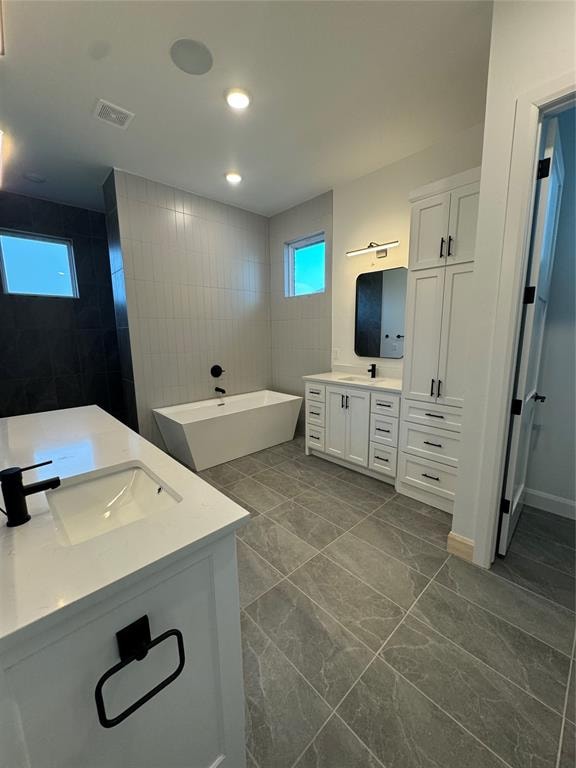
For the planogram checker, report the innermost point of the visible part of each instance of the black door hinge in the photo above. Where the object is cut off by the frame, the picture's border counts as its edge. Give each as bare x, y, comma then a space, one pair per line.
543, 168
529, 294
504, 506
516, 407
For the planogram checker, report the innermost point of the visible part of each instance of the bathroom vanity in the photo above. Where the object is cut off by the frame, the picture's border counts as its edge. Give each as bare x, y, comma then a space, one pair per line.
353, 420
119, 611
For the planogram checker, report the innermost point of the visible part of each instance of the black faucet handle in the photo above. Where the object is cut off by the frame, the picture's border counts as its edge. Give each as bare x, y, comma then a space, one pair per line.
36, 466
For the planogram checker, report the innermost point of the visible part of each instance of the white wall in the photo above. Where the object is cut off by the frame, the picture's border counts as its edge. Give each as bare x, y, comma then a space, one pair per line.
551, 478
197, 281
532, 43
376, 207
301, 327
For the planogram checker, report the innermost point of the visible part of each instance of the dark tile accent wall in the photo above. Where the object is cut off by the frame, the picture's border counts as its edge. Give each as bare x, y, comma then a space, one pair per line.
56, 352
120, 307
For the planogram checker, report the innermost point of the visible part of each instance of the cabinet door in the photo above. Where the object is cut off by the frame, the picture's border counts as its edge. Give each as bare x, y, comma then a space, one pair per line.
358, 426
423, 323
429, 231
462, 226
335, 435
454, 346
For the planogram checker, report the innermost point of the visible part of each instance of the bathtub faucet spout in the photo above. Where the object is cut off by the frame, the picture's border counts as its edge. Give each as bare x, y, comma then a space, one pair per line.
219, 390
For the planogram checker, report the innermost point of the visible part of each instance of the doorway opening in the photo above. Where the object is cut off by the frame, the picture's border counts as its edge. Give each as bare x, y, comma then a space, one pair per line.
538, 508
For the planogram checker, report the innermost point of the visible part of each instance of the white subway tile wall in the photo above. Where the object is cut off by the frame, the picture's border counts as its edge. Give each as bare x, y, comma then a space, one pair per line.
197, 278
301, 325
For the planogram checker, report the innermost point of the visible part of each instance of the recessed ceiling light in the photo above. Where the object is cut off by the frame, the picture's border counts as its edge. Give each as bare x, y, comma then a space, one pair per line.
237, 98
191, 56
233, 178
37, 178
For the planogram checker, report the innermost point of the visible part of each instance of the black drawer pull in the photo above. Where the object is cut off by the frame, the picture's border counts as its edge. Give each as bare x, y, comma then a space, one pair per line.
381, 458
134, 642
450, 240
432, 387
382, 430
313, 437
436, 445
434, 415
439, 387
383, 405
431, 477
442, 241
314, 413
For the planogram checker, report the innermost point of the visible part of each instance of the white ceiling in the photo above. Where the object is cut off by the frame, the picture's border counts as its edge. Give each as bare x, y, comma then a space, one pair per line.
339, 89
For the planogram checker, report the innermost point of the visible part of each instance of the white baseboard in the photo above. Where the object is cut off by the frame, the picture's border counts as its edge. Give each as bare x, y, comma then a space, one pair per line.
550, 503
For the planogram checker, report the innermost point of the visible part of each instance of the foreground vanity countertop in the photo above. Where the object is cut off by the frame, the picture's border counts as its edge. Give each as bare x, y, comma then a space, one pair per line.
41, 572
356, 380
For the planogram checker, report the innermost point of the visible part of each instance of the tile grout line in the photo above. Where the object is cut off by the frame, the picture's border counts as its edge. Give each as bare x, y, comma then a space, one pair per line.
543, 565
540, 562
451, 717
506, 621
410, 608
410, 533
398, 528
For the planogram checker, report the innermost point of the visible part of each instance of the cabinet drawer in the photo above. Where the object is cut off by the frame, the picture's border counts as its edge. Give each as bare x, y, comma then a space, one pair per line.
315, 438
385, 403
384, 430
430, 443
315, 391
382, 459
315, 413
427, 475
432, 415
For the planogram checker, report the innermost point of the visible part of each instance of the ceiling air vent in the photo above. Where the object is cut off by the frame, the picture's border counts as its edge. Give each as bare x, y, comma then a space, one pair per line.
113, 114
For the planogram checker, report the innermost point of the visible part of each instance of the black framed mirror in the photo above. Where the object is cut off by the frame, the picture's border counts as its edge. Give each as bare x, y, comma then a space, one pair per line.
380, 305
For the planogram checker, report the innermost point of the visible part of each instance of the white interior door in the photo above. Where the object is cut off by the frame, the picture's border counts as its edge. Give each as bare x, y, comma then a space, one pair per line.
545, 225
335, 437
454, 344
463, 221
423, 324
429, 231
358, 427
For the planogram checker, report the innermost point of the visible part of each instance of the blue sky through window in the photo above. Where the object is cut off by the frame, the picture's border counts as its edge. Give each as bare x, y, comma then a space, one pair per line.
309, 271
35, 266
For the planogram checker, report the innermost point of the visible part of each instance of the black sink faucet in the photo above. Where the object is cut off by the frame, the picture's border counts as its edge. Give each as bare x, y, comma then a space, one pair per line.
372, 371
15, 492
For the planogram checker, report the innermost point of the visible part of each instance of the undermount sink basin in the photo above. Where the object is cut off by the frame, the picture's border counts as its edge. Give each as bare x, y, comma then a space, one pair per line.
91, 505
359, 379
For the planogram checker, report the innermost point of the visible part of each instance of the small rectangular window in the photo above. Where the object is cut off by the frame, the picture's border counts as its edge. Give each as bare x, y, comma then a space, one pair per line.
37, 265
305, 266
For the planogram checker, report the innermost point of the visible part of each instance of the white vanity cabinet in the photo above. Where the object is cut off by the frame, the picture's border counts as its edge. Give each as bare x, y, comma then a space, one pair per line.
347, 422
51, 677
355, 426
440, 291
119, 623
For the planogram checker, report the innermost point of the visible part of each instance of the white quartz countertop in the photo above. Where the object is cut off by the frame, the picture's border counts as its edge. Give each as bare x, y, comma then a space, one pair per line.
356, 380
41, 573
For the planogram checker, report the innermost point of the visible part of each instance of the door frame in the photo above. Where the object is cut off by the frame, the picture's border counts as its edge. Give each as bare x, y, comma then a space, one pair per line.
504, 343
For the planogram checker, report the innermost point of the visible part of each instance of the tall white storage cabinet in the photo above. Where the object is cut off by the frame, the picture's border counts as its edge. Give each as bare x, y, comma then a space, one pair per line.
440, 290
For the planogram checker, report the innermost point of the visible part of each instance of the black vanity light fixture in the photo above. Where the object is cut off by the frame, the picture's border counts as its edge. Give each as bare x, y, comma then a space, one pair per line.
380, 249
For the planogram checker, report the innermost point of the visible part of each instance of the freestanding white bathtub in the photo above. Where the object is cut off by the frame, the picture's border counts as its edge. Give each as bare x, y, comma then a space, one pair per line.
210, 432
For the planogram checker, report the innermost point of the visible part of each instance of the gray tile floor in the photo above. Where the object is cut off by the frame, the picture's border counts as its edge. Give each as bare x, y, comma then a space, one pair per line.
366, 645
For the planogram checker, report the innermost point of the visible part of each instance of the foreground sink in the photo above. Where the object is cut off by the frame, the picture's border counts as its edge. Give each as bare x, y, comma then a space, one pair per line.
94, 504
